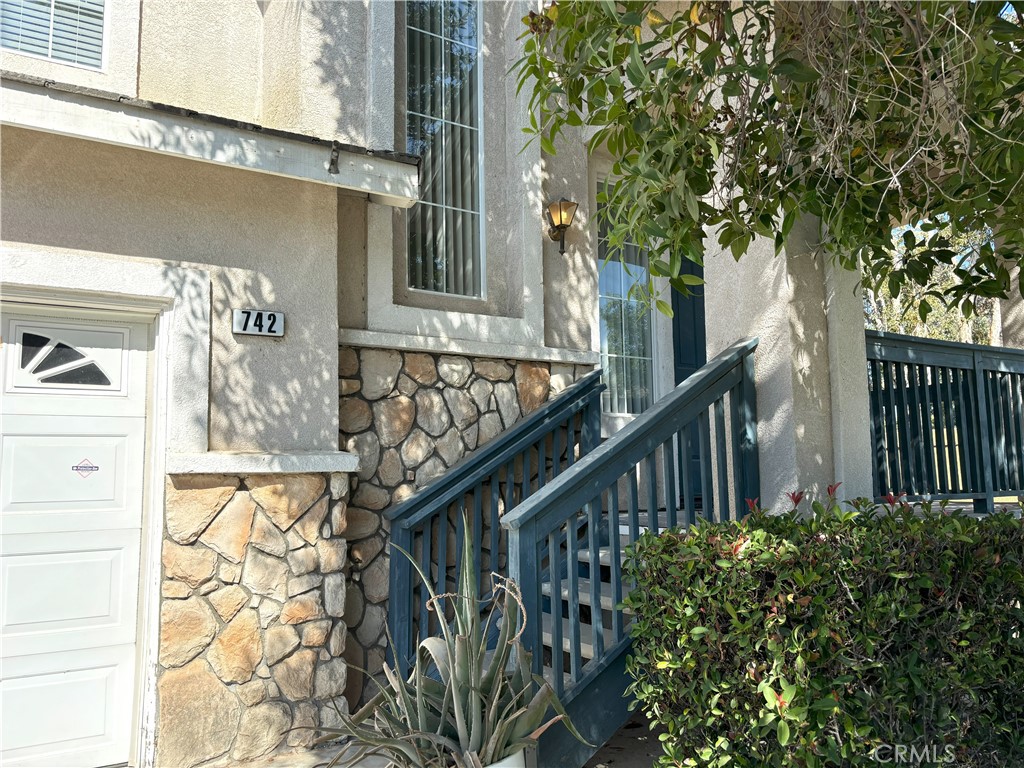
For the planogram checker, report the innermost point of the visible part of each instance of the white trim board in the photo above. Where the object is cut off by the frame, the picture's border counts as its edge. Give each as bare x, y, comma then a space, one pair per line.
453, 346
385, 180
241, 463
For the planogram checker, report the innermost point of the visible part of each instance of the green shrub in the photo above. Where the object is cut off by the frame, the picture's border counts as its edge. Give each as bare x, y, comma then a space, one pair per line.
784, 640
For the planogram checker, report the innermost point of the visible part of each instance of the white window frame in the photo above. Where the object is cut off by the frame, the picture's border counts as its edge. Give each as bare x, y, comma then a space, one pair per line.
481, 266
617, 419
104, 45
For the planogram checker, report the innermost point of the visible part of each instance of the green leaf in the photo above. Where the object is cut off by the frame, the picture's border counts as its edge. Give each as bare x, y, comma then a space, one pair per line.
782, 729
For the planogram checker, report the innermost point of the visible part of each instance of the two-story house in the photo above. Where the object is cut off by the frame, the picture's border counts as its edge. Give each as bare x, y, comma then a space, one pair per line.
268, 267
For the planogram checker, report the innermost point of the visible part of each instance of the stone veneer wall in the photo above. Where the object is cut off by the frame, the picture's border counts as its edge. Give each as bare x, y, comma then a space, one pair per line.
410, 416
251, 635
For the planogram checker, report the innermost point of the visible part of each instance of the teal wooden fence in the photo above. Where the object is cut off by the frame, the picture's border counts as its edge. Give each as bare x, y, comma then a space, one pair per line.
947, 420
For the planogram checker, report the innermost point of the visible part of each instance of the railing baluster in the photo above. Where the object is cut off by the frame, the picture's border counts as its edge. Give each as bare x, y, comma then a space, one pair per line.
556, 451
668, 455
943, 481
879, 474
596, 614
424, 628
542, 463
895, 465
736, 439
651, 465
914, 431
634, 506
931, 461
527, 474
478, 536
707, 489
441, 580
720, 460
495, 524
614, 541
689, 502
555, 577
572, 564
968, 440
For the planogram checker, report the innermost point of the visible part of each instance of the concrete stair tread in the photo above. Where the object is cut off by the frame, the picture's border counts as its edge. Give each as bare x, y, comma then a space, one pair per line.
586, 636
584, 592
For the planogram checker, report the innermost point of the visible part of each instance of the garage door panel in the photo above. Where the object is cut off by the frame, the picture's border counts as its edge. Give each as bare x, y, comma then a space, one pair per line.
61, 593
73, 707
72, 474
63, 473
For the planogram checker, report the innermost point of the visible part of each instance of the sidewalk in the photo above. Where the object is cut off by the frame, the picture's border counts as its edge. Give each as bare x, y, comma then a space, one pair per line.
633, 746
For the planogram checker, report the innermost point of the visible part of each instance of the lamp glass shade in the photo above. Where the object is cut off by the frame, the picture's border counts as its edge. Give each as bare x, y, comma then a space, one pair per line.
562, 213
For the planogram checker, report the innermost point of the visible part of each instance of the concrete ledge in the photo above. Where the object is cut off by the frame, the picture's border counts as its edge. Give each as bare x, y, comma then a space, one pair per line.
450, 346
232, 463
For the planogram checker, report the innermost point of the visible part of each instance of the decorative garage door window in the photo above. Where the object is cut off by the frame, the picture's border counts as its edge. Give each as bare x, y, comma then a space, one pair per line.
55, 357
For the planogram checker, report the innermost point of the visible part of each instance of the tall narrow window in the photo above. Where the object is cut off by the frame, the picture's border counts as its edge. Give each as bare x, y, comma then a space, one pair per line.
627, 355
64, 30
443, 128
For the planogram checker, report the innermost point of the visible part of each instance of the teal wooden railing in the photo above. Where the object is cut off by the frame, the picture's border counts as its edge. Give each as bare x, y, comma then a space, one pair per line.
947, 420
486, 485
565, 542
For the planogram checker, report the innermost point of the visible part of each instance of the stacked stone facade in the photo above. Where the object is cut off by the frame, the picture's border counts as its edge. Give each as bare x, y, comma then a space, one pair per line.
410, 416
252, 637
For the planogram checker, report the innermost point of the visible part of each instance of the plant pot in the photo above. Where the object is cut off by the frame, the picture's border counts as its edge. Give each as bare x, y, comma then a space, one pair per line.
518, 760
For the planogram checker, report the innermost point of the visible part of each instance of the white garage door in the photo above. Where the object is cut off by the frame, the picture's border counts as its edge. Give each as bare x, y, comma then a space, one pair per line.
71, 490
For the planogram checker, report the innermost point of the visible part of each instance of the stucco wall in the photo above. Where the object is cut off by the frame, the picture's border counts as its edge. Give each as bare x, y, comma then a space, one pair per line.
782, 301
268, 243
301, 67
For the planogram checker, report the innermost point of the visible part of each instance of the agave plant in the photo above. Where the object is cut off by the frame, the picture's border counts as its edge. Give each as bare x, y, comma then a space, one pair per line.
463, 704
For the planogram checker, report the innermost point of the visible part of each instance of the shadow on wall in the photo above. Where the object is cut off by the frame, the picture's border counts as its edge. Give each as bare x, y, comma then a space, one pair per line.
266, 394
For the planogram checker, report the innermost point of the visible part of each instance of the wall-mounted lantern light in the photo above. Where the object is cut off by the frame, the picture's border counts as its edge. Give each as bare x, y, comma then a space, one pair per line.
560, 216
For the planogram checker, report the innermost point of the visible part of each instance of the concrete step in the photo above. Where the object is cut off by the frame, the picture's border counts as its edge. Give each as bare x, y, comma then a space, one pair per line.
584, 592
586, 637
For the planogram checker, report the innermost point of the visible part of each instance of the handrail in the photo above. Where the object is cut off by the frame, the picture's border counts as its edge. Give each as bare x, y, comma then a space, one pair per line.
565, 542
494, 479
634, 441
494, 454
947, 419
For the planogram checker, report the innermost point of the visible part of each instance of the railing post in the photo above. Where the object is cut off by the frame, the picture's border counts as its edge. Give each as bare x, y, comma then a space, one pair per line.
523, 569
750, 470
400, 602
981, 413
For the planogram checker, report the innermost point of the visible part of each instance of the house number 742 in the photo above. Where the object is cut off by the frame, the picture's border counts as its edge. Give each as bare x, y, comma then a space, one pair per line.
257, 322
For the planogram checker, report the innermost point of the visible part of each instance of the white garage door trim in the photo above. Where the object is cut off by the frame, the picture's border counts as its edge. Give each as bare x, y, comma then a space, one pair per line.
177, 303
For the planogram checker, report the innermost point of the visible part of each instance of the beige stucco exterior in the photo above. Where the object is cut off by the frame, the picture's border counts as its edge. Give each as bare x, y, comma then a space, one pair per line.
299, 67
64, 195
800, 365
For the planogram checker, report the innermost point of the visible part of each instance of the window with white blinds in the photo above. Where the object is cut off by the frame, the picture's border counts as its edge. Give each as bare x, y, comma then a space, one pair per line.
443, 128
627, 350
63, 30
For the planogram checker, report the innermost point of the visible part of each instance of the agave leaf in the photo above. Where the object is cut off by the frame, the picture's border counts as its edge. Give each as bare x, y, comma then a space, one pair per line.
503, 650
438, 651
404, 701
559, 708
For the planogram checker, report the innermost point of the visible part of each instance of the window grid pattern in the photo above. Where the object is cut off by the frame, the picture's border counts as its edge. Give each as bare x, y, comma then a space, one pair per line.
627, 355
443, 128
69, 31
